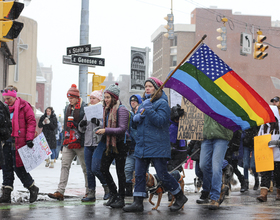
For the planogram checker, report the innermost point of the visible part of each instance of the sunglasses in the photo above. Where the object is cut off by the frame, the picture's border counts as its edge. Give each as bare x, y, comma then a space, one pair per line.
6, 90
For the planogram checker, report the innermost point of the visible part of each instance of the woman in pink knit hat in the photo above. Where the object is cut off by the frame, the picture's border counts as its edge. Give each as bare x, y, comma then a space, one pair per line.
92, 153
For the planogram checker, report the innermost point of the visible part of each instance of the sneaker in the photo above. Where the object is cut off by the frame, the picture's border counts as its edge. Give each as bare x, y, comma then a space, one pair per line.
203, 198
57, 195
214, 205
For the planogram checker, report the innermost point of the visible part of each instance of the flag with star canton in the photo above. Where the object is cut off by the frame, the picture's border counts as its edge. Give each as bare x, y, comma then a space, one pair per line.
213, 87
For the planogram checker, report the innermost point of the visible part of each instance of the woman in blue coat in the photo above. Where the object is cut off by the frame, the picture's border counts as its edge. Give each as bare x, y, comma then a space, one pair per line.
153, 145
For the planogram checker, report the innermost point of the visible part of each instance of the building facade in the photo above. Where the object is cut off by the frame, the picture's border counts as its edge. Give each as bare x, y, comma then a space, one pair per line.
259, 74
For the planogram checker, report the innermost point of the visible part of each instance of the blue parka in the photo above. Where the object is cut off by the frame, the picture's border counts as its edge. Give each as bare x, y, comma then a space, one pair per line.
152, 140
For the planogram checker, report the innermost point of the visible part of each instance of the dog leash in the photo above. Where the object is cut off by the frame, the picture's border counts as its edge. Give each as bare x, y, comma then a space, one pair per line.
184, 161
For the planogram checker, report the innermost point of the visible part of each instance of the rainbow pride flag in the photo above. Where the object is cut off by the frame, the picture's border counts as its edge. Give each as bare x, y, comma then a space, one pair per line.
213, 87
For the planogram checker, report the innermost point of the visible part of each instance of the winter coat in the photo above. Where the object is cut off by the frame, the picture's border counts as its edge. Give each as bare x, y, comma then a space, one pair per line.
49, 130
194, 146
249, 134
81, 115
214, 130
152, 140
27, 127
88, 130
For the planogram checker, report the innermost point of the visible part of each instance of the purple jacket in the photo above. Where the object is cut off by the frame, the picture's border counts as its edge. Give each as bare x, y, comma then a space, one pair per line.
27, 127
122, 123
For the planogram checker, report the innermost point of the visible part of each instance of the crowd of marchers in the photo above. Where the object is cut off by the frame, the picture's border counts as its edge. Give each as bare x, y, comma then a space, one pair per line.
133, 139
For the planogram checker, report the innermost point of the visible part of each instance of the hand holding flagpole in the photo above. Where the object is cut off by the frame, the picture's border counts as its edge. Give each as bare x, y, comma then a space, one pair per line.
186, 57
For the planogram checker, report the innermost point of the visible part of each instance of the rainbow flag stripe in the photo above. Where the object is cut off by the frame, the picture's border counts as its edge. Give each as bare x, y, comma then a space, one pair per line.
213, 87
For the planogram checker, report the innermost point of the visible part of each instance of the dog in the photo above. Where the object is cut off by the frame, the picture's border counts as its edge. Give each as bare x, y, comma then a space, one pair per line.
227, 179
155, 188
197, 184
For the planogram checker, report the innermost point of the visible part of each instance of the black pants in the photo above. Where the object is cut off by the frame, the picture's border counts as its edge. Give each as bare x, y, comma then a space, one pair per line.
266, 176
106, 162
236, 171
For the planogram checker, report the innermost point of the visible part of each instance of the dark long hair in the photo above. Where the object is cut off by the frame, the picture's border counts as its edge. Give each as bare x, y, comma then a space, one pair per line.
113, 101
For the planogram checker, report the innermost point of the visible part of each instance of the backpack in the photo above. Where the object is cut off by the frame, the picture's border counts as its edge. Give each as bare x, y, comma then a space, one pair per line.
5, 122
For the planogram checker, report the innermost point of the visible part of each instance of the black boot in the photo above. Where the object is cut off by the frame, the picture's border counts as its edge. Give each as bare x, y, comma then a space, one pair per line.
136, 206
33, 193
112, 199
106, 192
180, 200
203, 198
118, 203
244, 185
6, 194
257, 183
128, 189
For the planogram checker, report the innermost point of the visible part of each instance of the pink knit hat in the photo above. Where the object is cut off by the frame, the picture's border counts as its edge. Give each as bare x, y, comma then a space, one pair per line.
97, 94
8, 92
156, 82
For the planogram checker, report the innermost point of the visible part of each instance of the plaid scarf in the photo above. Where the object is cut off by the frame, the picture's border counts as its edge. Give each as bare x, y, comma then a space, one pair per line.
111, 140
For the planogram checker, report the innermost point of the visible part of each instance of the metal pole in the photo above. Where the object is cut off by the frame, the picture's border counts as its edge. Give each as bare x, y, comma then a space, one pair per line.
83, 69
84, 35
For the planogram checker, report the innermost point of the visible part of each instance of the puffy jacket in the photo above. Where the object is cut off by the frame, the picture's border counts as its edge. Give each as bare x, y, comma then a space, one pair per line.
152, 140
27, 127
49, 130
88, 130
214, 130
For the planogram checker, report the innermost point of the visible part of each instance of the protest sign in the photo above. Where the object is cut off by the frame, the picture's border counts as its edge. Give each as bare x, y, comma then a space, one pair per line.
33, 157
191, 123
94, 111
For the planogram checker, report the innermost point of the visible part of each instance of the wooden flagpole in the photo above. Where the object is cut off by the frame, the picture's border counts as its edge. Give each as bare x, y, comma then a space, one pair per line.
186, 57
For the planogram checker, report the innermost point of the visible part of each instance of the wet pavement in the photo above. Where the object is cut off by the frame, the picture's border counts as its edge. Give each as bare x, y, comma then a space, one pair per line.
236, 207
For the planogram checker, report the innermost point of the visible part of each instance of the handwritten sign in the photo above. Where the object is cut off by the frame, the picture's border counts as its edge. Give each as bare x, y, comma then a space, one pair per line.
94, 111
191, 123
33, 157
263, 154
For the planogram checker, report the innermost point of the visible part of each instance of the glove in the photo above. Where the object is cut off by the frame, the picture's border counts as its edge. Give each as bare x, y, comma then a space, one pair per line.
274, 142
95, 121
83, 123
29, 144
138, 118
71, 124
147, 104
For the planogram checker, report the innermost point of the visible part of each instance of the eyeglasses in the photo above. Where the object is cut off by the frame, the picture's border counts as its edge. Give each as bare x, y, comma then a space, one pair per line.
6, 90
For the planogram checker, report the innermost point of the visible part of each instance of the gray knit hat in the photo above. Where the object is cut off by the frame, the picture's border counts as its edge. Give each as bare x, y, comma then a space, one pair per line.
114, 90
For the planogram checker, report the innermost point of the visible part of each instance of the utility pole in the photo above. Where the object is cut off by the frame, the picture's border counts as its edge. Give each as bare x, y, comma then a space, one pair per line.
84, 35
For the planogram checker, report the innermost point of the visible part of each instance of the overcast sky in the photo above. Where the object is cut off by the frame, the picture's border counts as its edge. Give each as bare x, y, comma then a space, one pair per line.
115, 26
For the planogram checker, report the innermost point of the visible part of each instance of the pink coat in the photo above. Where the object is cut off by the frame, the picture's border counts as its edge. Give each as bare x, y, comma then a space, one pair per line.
27, 127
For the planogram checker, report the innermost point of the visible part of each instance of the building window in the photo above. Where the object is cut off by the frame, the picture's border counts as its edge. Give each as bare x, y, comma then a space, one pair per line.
173, 42
173, 51
173, 60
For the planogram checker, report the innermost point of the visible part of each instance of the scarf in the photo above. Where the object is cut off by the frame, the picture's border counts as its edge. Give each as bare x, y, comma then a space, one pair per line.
72, 136
15, 124
111, 140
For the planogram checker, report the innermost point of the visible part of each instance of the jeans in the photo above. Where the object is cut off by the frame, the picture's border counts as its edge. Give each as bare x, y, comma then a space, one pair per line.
212, 155
53, 155
248, 162
10, 166
160, 164
93, 155
129, 168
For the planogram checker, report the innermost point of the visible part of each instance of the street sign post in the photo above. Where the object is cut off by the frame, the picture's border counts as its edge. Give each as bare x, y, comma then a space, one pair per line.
88, 60
79, 49
246, 43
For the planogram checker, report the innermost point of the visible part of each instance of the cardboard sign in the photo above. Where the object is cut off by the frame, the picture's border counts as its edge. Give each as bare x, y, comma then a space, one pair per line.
263, 154
191, 123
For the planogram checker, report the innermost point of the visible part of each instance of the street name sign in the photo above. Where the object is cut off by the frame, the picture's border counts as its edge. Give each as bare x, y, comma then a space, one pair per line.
79, 49
95, 51
88, 60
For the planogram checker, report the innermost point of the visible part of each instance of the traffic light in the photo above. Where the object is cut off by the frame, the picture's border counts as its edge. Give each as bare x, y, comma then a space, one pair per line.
10, 29
96, 81
222, 38
259, 47
169, 27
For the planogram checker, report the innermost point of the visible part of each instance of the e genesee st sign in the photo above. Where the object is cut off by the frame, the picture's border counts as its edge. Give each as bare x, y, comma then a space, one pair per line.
88, 60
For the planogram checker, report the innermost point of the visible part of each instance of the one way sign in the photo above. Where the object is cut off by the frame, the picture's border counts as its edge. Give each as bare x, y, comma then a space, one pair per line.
246, 43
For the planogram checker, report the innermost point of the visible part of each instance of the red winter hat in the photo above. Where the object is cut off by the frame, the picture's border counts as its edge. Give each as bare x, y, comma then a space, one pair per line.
156, 82
73, 92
